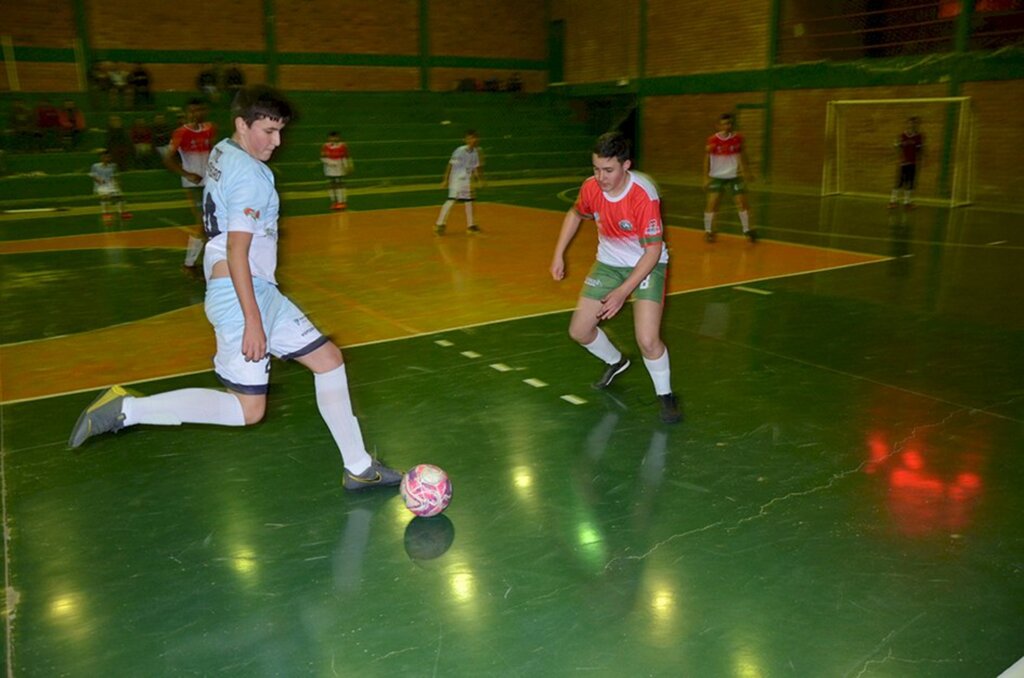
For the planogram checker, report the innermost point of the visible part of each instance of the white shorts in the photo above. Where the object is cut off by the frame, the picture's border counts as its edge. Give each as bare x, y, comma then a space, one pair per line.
107, 190
290, 334
460, 189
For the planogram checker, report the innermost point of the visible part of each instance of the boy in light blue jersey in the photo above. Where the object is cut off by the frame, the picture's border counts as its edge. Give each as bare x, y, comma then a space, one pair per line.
250, 316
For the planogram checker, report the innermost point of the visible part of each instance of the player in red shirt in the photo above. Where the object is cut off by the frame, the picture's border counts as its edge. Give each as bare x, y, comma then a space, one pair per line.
337, 164
187, 156
632, 260
910, 146
725, 167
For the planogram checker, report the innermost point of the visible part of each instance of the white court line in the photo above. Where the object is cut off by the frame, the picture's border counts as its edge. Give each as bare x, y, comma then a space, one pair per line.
752, 290
575, 400
536, 383
444, 342
500, 367
470, 354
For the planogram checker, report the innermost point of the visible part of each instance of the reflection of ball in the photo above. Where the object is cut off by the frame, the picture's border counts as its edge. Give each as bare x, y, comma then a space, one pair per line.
428, 538
426, 490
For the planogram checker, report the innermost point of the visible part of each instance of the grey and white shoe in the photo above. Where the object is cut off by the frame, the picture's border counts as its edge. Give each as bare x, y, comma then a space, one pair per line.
611, 372
104, 415
378, 475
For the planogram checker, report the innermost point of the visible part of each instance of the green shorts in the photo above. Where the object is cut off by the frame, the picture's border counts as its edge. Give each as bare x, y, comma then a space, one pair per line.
603, 278
735, 184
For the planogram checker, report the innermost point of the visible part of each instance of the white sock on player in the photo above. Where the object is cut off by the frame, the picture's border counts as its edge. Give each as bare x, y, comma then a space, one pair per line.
745, 221
708, 217
195, 246
335, 406
603, 348
661, 373
184, 406
445, 209
469, 214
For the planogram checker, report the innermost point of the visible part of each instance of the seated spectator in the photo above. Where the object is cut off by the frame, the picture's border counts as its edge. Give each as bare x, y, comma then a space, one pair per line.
234, 80
47, 125
515, 83
72, 124
138, 80
207, 85
161, 135
119, 144
118, 86
23, 124
142, 141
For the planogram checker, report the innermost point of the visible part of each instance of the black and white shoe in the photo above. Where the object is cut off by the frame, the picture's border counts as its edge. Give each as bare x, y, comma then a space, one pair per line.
611, 372
378, 475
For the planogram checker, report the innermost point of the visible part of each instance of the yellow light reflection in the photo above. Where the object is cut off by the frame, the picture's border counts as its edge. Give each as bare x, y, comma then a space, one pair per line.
522, 479
64, 608
463, 586
747, 668
243, 561
663, 604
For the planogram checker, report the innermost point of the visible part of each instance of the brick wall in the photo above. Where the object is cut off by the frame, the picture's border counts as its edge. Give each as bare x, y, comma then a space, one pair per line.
180, 25
798, 137
496, 28
32, 24
601, 39
348, 26
706, 37
1000, 136
348, 78
677, 127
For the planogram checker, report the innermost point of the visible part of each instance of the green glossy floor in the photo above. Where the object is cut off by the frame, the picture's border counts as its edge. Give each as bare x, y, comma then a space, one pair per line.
843, 498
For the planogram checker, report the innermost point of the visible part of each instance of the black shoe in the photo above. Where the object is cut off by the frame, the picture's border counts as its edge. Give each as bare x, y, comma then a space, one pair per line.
473, 228
670, 412
438, 229
709, 236
378, 475
611, 372
751, 235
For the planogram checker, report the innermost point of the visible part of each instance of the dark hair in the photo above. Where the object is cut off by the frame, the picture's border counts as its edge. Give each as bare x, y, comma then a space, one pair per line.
470, 133
259, 101
727, 116
613, 145
194, 101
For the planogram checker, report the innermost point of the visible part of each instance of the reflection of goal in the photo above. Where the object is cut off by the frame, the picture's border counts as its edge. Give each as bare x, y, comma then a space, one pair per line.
860, 157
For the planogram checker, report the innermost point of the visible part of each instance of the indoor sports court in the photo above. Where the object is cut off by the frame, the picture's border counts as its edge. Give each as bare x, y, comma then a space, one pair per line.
841, 498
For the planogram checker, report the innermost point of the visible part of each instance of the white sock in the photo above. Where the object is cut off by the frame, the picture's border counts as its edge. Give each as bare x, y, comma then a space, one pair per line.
184, 406
341, 194
745, 221
906, 197
708, 216
661, 373
445, 208
336, 408
603, 348
195, 246
469, 214
895, 195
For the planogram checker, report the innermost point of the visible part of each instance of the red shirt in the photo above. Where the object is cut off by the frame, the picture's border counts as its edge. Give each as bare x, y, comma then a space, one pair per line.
626, 224
910, 147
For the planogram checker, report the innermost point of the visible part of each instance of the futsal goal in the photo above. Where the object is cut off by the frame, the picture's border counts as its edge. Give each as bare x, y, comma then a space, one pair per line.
861, 157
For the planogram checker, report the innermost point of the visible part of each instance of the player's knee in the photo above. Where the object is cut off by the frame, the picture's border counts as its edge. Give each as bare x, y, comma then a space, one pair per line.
582, 335
650, 345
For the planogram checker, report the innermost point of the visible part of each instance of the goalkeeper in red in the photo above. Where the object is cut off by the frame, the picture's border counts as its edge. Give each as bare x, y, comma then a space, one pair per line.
632, 260
909, 146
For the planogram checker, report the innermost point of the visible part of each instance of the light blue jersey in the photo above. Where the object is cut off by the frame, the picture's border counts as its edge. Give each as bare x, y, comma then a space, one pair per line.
240, 196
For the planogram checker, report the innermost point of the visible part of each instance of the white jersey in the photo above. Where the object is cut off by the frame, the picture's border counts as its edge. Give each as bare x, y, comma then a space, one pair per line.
240, 196
464, 162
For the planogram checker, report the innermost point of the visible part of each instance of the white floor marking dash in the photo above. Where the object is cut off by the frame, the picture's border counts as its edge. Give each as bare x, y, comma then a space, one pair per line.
471, 354
536, 383
501, 367
444, 342
753, 290
575, 400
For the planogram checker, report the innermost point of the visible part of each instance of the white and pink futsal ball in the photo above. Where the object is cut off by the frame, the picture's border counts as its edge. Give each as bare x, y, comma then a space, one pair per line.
426, 490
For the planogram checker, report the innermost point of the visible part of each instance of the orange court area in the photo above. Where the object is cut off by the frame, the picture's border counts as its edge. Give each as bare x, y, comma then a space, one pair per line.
378, 275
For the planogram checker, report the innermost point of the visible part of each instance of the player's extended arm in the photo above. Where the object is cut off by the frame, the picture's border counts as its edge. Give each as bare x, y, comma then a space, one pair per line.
570, 225
707, 167
172, 161
616, 299
447, 173
254, 339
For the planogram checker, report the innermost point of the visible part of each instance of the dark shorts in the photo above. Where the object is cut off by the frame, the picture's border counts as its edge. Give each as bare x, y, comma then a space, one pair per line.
908, 175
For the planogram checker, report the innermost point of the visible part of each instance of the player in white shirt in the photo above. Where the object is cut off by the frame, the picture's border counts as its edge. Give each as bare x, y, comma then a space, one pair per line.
465, 166
632, 260
106, 186
250, 316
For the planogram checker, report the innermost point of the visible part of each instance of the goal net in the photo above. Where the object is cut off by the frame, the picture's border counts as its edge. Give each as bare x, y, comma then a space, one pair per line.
862, 159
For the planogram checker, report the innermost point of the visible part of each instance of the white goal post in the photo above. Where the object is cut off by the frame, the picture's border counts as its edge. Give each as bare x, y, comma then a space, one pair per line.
861, 158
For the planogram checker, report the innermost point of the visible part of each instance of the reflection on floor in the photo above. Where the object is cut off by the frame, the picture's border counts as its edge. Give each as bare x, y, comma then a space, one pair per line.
842, 498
